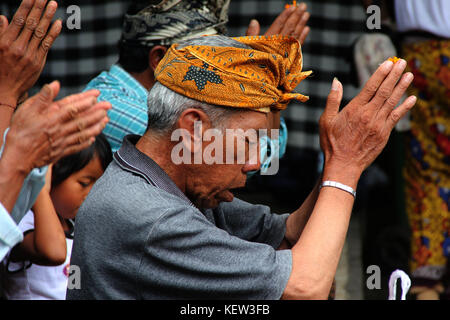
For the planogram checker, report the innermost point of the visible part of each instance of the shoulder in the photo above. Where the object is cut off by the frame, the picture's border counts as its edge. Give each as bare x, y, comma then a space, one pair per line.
128, 198
117, 82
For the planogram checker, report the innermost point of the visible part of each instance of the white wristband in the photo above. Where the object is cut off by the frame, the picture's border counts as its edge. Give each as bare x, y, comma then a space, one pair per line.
338, 185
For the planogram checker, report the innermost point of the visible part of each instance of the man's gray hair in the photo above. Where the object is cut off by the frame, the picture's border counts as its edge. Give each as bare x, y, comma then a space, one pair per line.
165, 106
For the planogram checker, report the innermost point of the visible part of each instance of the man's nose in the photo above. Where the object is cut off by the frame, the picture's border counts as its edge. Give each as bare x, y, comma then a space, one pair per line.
253, 163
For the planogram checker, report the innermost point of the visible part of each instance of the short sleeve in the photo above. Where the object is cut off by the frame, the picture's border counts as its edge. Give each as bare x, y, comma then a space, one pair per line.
187, 256
251, 222
27, 222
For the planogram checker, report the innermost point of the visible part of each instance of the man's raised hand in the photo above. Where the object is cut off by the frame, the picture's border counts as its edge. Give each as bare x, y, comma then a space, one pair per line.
352, 138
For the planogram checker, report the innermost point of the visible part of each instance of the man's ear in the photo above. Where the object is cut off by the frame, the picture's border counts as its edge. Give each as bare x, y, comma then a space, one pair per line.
155, 56
193, 122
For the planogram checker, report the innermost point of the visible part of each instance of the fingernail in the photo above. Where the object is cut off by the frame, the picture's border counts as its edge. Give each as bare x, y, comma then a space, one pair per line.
46, 91
51, 7
306, 16
253, 23
59, 25
387, 64
402, 63
291, 8
409, 76
302, 6
53, 3
335, 84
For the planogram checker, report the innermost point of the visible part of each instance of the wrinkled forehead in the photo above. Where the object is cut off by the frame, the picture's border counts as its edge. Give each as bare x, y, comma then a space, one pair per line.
248, 119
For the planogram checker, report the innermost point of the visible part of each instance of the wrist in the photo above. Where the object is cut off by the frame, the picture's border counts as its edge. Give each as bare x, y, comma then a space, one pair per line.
11, 107
13, 156
12, 166
8, 101
11, 181
338, 185
342, 173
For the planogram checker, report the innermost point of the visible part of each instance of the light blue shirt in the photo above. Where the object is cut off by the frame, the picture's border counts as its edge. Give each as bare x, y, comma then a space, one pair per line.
10, 234
128, 98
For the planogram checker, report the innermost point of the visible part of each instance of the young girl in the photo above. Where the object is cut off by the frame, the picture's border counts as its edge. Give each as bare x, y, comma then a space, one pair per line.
38, 267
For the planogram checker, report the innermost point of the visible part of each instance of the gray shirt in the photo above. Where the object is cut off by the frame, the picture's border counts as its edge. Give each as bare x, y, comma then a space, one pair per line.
137, 236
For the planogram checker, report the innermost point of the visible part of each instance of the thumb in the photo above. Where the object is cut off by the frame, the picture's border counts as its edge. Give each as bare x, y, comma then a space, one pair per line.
334, 99
253, 28
49, 92
45, 97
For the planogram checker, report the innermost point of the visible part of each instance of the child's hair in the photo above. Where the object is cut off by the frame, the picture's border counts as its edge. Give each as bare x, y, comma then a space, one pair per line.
75, 162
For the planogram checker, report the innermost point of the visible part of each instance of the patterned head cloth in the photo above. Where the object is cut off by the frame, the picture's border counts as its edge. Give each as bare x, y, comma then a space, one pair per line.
260, 78
171, 21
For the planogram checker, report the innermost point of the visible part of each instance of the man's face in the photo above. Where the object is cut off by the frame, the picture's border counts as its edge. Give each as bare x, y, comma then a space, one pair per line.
209, 184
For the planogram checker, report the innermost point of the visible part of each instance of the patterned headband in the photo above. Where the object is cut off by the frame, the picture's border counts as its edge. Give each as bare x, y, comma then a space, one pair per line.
260, 78
172, 21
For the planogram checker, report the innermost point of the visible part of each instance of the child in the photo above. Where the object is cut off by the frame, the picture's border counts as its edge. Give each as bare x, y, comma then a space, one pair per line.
38, 267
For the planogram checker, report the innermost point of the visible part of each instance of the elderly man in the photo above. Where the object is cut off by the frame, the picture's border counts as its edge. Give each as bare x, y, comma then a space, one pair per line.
148, 32
155, 228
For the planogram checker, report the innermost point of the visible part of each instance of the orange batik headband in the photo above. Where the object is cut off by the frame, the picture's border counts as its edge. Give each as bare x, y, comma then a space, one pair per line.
260, 78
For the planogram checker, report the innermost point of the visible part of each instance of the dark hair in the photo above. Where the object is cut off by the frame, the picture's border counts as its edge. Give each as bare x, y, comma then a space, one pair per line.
133, 57
73, 163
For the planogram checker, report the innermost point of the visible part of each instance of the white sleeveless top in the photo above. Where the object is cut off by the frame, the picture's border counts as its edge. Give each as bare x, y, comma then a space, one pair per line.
26, 281
432, 16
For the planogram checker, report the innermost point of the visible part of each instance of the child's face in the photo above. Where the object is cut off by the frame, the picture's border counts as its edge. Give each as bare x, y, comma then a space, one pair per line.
70, 194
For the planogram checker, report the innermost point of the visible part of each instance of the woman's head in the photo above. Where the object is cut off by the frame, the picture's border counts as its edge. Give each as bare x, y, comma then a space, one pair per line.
74, 176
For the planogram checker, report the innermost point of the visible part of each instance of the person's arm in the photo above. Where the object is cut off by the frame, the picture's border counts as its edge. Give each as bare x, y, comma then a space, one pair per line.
12, 176
24, 44
351, 140
46, 243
